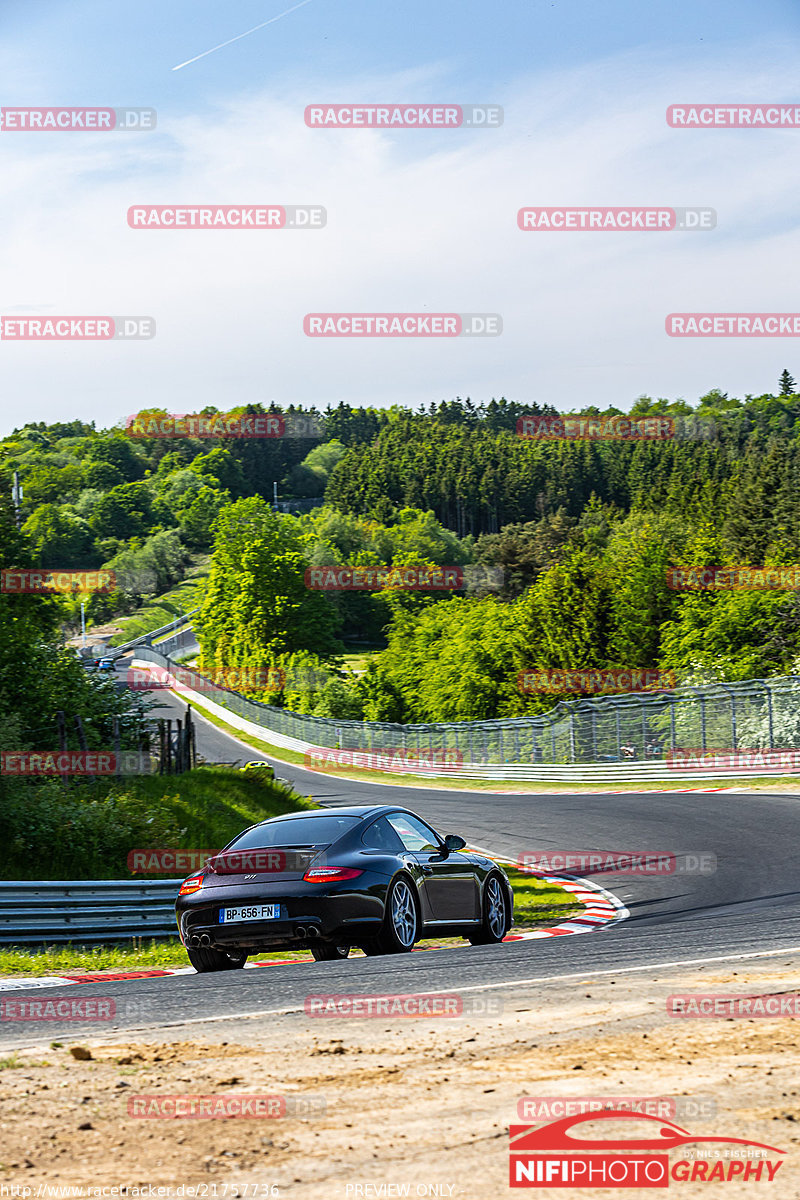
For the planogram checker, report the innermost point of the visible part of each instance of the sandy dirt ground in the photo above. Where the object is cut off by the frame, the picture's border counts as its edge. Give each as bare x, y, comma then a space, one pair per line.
412, 1106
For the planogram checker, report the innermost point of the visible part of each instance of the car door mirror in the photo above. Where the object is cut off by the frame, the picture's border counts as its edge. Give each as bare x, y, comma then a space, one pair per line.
454, 842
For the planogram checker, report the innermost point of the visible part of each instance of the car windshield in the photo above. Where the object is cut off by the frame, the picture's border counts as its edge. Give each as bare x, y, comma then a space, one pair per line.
299, 832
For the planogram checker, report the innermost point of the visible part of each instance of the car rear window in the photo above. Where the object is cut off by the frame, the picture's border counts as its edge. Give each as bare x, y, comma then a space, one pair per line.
302, 831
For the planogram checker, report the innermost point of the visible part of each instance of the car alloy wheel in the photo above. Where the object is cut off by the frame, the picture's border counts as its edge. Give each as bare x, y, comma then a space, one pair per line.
400, 922
494, 924
403, 914
495, 907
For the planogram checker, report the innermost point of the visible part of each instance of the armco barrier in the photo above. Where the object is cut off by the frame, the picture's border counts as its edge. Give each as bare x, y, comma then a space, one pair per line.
568, 744
86, 912
146, 639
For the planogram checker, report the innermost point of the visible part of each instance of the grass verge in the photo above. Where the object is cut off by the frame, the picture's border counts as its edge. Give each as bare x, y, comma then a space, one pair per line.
87, 830
536, 903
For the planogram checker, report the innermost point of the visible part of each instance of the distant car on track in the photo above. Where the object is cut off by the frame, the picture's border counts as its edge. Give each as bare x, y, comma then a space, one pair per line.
377, 877
106, 664
264, 768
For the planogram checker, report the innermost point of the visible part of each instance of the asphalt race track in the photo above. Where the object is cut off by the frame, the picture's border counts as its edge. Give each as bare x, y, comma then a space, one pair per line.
749, 906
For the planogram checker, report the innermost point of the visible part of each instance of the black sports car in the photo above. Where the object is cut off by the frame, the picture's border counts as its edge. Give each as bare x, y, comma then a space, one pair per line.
377, 877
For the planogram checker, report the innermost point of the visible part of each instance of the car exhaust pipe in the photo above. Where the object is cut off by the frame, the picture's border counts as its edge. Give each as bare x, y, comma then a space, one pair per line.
300, 931
193, 941
312, 932
204, 939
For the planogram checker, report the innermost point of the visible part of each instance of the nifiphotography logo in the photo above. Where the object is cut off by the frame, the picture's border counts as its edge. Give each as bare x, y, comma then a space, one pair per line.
554, 1156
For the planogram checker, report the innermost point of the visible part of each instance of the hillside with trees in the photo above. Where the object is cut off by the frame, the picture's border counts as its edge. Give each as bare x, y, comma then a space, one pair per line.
572, 539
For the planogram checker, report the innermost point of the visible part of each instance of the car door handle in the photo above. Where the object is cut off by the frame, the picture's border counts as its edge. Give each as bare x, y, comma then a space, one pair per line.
425, 870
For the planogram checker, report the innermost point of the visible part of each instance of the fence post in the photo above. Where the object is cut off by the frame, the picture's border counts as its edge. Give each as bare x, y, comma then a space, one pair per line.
162, 748
62, 739
117, 763
191, 740
179, 768
82, 742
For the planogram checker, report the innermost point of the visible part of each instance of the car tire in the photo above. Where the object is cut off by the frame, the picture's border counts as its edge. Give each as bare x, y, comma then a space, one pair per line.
328, 951
401, 924
209, 959
495, 914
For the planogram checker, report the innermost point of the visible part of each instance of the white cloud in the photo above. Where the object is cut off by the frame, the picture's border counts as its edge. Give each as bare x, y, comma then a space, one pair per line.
416, 222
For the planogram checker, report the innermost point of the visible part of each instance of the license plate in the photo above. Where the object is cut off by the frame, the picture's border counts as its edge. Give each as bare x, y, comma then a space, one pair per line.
253, 912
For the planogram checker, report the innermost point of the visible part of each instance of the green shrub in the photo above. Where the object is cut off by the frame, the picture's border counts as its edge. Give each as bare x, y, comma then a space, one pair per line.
85, 830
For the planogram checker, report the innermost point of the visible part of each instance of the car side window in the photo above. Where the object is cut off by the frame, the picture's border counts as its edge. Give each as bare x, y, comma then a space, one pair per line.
413, 833
380, 836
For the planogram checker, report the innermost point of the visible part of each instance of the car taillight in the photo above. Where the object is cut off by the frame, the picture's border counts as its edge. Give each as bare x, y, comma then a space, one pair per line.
192, 884
330, 874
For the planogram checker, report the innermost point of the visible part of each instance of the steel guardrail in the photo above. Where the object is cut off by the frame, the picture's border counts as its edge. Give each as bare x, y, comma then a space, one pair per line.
146, 639
86, 912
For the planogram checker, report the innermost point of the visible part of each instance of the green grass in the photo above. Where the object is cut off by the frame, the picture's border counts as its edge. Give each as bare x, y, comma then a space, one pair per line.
86, 831
535, 903
58, 960
356, 660
186, 595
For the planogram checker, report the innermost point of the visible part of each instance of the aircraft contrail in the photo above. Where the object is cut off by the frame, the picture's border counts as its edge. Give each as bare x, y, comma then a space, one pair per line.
239, 36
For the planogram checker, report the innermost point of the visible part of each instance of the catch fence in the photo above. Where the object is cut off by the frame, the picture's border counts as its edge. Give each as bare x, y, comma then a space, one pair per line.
754, 714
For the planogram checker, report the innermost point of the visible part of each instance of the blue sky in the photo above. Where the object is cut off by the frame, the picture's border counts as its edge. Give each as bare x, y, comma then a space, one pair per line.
71, 47
417, 221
